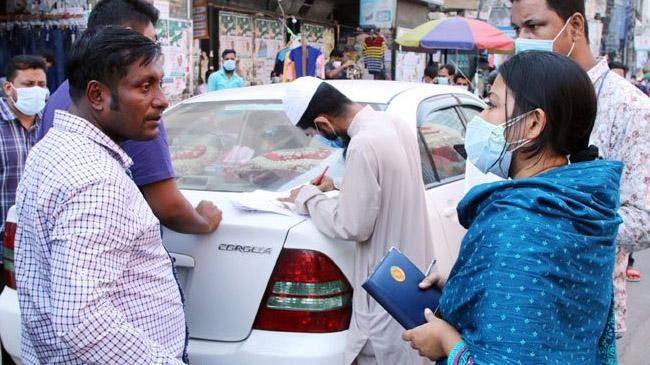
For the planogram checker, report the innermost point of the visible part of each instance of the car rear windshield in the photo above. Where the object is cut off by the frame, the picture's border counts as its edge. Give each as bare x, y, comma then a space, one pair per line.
243, 146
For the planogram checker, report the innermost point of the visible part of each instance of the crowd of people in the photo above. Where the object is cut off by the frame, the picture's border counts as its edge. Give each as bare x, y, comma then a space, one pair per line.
541, 272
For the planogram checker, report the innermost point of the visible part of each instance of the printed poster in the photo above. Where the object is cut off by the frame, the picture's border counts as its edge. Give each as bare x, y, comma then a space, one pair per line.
409, 66
320, 37
269, 40
175, 37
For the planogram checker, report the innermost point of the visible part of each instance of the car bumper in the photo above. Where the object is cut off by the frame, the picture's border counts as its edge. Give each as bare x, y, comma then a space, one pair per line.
261, 347
272, 348
10, 323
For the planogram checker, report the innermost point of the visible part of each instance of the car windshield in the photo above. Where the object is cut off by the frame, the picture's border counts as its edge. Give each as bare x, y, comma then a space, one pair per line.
241, 146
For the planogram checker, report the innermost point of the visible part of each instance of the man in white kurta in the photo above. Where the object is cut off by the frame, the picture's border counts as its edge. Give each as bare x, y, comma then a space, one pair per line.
381, 204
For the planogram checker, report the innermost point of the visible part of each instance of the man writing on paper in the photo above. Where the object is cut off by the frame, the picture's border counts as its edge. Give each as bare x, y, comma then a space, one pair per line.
381, 204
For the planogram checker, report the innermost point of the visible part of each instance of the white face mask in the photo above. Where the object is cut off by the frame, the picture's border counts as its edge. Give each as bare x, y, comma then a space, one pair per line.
336, 64
524, 44
30, 100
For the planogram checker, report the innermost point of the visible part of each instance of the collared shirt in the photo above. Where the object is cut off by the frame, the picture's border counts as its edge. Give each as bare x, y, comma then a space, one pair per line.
622, 132
15, 143
219, 80
95, 284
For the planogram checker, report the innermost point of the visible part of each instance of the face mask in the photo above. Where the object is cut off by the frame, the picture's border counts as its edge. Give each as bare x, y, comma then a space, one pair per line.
229, 65
487, 147
442, 80
336, 64
524, 44
30, 100
335, 143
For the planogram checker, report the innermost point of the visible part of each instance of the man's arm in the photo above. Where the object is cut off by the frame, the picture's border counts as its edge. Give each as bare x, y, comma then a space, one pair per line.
178, 214
634, 232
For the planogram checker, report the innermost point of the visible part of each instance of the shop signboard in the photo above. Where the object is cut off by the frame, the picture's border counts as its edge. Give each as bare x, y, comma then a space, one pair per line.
200, 19
377, 13
642, 38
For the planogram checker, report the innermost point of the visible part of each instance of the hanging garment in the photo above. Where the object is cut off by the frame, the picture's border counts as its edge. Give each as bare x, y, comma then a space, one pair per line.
373, 53
296, 55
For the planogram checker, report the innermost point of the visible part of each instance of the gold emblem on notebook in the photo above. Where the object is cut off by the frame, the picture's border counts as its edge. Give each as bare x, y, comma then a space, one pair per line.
397, 273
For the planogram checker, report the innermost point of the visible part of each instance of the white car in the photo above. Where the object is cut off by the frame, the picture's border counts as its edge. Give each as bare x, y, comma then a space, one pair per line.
269, 288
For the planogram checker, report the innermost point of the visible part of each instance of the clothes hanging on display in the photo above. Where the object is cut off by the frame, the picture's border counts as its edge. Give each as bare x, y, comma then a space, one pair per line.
373, 54
33, 37
309, 62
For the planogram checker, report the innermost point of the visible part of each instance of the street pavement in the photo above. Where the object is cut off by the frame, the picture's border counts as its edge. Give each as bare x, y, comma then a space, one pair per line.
634, 347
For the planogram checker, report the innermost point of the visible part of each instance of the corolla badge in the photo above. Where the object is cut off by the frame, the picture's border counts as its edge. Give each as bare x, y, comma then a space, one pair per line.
397, 273
245, 248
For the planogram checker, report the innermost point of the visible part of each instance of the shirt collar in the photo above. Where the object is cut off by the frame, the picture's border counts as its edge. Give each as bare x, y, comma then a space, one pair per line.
599, 70
357, 122
73, 124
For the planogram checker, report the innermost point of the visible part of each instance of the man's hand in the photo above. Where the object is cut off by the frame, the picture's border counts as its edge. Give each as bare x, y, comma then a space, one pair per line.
348, 63
434, 339
326, 183
211, 213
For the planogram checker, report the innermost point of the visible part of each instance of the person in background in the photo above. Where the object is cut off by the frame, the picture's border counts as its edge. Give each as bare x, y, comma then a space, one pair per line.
430, 74
20, 116
227, 77
622, 127
462, 81
446, 72
152, 169
618, 68
96, 285
382, 176
335, 68
530, 285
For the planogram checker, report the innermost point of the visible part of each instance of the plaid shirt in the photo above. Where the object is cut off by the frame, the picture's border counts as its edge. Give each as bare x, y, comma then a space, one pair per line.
15, 143
95, 284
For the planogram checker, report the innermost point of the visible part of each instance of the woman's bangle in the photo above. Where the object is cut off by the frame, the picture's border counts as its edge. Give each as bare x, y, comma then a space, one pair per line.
459, 354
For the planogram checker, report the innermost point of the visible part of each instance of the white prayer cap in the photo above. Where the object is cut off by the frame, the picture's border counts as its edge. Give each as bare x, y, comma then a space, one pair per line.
298, 95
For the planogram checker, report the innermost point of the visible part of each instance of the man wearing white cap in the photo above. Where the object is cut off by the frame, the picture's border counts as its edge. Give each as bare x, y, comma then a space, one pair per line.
381, 204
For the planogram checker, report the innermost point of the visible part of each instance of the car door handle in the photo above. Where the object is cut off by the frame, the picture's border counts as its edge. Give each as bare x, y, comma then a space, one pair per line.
182, 260
449, 211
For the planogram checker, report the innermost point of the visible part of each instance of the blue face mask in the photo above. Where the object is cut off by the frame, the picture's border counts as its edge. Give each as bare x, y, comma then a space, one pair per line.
524, 44
229, 65
335, 143
442, 80
486, 145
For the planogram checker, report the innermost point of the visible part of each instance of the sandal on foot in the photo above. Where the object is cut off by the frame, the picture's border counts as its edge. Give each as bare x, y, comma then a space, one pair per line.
632, 275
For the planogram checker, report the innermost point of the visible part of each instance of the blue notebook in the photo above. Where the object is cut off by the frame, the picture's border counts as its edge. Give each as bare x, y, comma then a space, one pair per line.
394, 285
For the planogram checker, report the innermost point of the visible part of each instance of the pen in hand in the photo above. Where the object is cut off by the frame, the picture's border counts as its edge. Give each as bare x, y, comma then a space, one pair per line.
433, 262
320, 177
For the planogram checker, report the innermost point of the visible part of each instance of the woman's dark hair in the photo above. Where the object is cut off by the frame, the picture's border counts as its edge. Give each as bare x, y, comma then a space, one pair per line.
566, 95
327, 100
23, 62
451, 69
336, 53
105, 54
122, 12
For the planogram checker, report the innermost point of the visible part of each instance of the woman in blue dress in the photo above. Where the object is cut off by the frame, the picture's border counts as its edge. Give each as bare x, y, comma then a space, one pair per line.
532, 283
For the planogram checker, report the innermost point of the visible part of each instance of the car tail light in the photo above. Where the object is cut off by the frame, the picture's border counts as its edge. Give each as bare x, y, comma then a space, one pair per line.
8, 254
307, 292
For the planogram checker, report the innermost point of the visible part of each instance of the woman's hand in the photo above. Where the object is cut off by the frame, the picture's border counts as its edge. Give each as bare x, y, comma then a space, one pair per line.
434, 339
433, 279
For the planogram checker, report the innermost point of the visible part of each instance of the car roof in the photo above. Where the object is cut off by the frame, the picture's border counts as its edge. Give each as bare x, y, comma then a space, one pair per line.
363, 91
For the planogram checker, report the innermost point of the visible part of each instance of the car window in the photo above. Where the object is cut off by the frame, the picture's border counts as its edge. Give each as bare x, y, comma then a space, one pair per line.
243, 146
440, 130
469, 111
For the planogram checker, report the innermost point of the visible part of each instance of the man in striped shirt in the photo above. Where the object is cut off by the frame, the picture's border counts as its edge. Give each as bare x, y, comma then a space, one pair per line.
26, 90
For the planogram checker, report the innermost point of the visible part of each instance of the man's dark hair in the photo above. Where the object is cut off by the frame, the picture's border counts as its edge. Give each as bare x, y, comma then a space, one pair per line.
450, 69
431, 71
327, 100
616, 64
105, 54
123, 13
566, 95
336, 53
23, 62
566, 8
228, 51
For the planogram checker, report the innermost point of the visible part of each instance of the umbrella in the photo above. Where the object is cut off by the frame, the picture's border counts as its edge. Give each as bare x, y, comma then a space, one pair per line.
456, 33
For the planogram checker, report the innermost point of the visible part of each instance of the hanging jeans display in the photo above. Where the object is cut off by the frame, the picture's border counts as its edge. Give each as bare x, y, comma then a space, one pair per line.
20, 37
